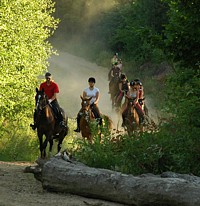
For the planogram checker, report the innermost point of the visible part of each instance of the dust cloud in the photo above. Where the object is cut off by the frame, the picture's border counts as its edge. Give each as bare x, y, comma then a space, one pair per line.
72, 73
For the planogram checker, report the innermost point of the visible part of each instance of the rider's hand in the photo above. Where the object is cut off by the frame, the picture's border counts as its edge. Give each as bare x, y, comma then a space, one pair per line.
50, 100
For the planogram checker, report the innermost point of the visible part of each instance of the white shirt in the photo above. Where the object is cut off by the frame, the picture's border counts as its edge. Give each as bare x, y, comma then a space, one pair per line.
91, 93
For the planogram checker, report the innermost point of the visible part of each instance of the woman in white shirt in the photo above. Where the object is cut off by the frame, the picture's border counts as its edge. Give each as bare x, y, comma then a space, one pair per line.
93, 92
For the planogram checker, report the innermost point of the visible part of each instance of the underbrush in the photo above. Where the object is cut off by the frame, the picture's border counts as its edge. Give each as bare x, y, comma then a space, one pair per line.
167, 150
20, 143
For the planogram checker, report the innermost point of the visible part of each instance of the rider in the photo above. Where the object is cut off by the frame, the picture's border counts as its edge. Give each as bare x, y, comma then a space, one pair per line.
134, 94
115, 75
113, 61
120, 65
93, 92
123, 89
51, 89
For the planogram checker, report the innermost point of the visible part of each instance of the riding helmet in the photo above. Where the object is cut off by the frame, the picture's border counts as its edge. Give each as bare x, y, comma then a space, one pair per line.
92, 79
139, 83
123, 76
48, 74
132, 83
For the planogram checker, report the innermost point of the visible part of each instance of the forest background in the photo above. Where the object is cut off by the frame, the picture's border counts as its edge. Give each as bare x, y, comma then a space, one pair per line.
157, 39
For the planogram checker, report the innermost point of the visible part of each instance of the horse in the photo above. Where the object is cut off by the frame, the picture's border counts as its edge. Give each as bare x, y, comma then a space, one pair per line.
88, 121
86, 118
114, 89
132, 122
47, 124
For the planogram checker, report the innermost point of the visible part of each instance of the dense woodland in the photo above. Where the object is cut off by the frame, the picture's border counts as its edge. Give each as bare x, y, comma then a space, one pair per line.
147, 34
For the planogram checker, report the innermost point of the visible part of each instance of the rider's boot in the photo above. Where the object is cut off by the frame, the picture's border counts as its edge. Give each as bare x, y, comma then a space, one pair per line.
62, 124
123, 121
141, 119
33, 126
78, 124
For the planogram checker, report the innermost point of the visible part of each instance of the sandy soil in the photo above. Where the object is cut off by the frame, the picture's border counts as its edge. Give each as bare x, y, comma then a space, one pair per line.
22, 189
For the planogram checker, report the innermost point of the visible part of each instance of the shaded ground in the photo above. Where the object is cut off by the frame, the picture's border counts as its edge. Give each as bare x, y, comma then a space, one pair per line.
22, 189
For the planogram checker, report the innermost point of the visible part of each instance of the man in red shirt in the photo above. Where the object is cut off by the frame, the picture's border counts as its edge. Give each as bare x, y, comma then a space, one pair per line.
51, 89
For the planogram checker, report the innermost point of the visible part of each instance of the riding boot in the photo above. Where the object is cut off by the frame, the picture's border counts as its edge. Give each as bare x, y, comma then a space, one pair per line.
78, 124
123, 121
34, 126
141, 119
62, 124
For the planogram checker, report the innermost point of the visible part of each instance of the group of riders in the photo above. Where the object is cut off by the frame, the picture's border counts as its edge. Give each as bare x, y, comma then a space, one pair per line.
132, 89
120, 86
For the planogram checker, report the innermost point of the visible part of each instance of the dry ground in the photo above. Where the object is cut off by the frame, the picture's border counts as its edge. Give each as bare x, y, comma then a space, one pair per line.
22, 189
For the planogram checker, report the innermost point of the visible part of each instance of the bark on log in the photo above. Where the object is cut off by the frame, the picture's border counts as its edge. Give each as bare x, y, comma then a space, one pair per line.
71, 177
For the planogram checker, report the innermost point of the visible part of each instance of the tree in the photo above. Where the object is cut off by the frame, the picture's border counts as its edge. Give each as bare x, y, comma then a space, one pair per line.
183, 33
24, 47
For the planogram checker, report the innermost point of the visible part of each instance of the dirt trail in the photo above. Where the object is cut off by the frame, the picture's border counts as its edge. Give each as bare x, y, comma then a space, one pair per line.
22, 189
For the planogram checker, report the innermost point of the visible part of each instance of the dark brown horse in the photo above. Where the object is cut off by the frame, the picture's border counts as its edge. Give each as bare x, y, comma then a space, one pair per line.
114, 89
88, 121
132, 122
47, 124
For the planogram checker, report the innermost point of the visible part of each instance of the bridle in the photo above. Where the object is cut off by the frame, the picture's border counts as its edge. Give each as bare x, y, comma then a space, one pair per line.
41, 101
86, 110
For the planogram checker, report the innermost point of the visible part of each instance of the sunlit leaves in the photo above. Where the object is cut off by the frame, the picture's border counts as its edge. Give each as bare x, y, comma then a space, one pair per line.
25, 27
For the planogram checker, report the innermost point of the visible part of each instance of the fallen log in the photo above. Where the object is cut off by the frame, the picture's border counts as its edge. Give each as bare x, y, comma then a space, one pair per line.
75, 178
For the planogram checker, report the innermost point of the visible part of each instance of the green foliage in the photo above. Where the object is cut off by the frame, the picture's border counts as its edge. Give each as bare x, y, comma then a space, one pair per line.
25, 26
183, 34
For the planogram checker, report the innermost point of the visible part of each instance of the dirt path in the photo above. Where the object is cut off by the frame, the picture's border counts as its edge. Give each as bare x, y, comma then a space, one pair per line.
22, 189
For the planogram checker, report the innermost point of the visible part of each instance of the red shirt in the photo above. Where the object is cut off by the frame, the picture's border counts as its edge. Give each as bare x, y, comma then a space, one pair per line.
49, 90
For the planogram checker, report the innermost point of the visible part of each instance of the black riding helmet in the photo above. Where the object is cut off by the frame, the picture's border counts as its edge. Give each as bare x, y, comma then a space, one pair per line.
48, 74
92, 79
132, 83
123, 76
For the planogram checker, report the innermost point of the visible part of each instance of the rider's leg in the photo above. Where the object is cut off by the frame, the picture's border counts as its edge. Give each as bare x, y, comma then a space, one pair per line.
96, 112
57, 110
124, 114
78, 118
34, 125
140, 113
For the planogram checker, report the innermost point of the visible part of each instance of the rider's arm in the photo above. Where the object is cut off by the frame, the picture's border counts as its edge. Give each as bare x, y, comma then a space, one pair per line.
97, 98
54, 96
84, 94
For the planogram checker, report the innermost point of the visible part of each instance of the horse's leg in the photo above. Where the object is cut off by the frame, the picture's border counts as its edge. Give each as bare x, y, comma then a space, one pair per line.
40, 137
47, 139
50, 147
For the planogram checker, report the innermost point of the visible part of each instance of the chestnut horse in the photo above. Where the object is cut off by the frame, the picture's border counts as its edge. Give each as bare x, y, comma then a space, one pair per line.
132, 122
88, 121
47, 124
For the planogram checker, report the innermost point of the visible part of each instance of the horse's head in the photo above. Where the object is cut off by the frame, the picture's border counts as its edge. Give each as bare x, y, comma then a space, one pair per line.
40, 99
85, 104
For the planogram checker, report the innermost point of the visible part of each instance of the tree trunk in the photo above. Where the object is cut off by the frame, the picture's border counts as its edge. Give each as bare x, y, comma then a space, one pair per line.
169, 189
